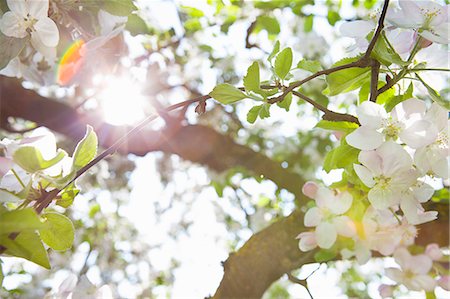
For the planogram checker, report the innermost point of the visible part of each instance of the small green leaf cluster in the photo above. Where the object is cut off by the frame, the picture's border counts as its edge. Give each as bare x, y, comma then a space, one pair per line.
24, 229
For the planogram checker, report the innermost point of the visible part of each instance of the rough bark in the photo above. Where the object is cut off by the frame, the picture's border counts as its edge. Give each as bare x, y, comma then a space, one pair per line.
267, 255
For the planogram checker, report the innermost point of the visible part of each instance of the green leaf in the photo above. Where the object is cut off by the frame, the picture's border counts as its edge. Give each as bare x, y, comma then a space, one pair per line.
309, 22
251, 80
283, 63
11, 47
275, 50
381, 99
67, 197
119, 7
342, 126
395, 100
26, 245
192, 11
286, 102
30, 158
385, 54
435, 96
227, 94
324, 255
263, 111
346, 80
267, 23
340, 157
312, 66
136, 25
333, 17
86, 149
58, 232
19, 220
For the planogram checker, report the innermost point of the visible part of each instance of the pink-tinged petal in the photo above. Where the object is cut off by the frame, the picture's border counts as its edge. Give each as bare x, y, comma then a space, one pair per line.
422, 191
440, 34
419, 134
433, 251
401, 40
19, 7
310, 189
365, 175
341, 203
38, 9
313, 217
395, 274
365, 138
371, 114
372, 161
395, 158
403, 258
385, 291
5, 165
326, 235
383, 198
423, 282
357, 28
47, 31
444, 282
12, 25
307, 241
344, 226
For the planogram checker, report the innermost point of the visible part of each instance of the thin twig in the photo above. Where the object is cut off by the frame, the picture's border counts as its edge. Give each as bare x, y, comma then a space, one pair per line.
329, 115
377, 31
374, 80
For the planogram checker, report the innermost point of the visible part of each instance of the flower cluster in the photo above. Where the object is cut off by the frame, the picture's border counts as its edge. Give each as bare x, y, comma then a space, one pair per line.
406, 23
400, 152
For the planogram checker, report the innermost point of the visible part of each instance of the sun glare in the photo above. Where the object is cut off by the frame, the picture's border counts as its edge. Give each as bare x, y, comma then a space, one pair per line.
121, 101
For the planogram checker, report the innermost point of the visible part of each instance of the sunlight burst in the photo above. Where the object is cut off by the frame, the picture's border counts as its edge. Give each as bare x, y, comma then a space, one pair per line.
121, 101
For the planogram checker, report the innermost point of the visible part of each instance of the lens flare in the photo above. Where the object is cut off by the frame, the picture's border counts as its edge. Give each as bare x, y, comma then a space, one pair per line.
70, 62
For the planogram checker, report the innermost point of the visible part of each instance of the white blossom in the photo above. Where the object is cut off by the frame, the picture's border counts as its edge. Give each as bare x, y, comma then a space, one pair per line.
30, 17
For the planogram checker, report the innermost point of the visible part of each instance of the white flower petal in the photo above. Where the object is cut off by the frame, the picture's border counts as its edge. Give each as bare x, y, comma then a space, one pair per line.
395, 274
441, 168
372, 161
344, 226
323, 197
67, 286
395, 158
411, 108
340, 203
357, 28
48, 52
365, 175
5, 165
47, 31
363, 254
38, 9
108, 21
383, 198
440, 34
419, 134
412, 11
313, 217
326, 235
19, 7
365, 138
438, 116
12, 25
433, 251
422, 191
403, 258
371, 114
423, 282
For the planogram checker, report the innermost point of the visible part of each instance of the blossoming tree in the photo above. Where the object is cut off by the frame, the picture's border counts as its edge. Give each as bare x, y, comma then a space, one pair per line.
380, 122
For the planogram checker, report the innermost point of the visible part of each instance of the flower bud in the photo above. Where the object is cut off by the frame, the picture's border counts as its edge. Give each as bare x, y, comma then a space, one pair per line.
310, 189
385, 291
